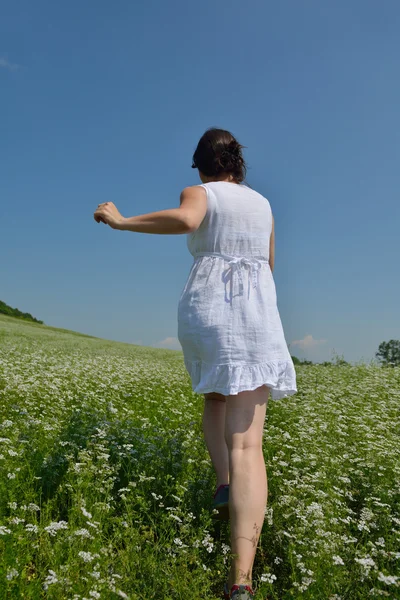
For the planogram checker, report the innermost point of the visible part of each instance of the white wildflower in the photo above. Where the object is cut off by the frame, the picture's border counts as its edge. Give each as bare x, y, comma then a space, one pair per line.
268, 577
16, 520
55, 526
175, 517
87, 556
11, 573
95, 574
50, 579
178, 542
380, 542
84, 533
4, 530
388, 579
86, 513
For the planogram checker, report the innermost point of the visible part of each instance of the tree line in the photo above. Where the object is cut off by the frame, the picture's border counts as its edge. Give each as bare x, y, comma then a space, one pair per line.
15, 312
388, 354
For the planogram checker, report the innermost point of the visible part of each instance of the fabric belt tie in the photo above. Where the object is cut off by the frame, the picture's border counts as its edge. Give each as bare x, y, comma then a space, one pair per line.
235, 263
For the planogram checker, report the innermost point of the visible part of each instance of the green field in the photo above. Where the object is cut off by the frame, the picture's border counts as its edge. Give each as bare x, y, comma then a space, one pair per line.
106, 483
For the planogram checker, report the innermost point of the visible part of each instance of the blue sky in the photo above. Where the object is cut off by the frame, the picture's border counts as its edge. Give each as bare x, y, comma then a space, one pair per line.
106, 101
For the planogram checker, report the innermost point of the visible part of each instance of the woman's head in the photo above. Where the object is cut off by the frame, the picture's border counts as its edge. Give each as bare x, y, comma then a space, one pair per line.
219, 156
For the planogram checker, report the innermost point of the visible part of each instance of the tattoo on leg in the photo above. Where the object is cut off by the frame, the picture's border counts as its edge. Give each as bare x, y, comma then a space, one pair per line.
240, 574
255, 538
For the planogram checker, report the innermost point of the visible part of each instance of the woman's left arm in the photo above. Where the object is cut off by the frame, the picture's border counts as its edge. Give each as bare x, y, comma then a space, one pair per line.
185, 219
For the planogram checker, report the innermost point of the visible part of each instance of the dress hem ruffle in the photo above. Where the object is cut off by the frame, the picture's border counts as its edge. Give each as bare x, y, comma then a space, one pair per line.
231, 379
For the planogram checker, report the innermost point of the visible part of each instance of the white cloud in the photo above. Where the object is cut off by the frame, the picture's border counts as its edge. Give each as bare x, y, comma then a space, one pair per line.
170, 342
308, 342
5, 63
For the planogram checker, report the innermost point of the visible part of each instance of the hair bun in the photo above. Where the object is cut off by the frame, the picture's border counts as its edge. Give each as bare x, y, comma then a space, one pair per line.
218, 152
235, 148
231, 155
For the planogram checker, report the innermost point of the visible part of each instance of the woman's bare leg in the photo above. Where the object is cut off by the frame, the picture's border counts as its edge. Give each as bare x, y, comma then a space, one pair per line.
248, 492
214, 434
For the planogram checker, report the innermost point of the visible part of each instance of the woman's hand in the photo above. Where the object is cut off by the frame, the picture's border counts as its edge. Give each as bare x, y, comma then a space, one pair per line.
108, 214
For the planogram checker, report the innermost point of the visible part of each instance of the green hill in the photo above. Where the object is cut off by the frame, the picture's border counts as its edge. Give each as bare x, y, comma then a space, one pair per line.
15, 312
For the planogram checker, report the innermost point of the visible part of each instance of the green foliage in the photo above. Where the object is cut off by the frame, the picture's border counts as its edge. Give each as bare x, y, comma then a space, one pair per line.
298, 361
5, 309
336, 361
389, 353
106, 482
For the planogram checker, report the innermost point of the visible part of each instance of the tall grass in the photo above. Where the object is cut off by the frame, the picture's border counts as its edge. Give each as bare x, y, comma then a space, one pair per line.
106, 483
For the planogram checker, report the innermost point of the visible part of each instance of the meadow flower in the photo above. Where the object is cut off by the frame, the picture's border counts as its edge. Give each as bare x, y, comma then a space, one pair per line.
179, 543
4, 530
56, 526
95, 574
16, 520
87, 556
11, 574
208, 542
388, 579
175, 517
83, 533
268, 578
86, 513
50, 579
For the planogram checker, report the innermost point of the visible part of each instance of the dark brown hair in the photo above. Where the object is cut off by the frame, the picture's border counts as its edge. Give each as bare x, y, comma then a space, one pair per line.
219, 152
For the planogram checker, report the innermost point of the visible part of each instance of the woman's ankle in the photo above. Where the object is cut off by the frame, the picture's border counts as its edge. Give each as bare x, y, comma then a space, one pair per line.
239, 577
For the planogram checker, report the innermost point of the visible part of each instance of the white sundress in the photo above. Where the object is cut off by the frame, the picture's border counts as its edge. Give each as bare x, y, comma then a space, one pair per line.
229, 325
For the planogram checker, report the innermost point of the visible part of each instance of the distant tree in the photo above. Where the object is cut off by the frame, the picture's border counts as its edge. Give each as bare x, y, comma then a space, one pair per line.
15, 312
298, 361
389, 353
339, 361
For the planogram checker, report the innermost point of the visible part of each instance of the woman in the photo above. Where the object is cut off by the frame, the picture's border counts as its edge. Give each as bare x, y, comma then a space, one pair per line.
232, 339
